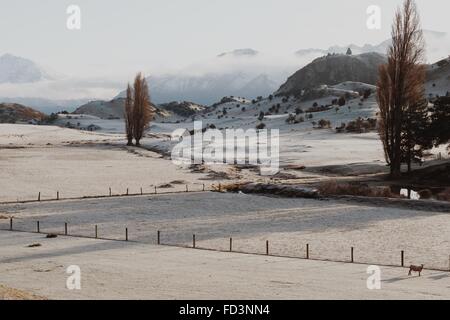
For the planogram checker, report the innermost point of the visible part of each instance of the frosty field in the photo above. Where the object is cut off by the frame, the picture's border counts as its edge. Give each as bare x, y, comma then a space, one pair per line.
330, 227
143, 270
47, 160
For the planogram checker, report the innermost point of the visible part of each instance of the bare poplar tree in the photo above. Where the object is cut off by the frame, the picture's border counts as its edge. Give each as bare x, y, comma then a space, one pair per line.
142, 110
129, 116
400, 83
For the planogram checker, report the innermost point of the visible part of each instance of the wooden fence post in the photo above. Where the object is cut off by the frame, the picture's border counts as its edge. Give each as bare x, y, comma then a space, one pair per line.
267, 247
352, 256
187, 190
193, 241
65, 228
403, 258
37, 227
307, 251
126, 234
127, 191
155, 190
203, 187
39, 196
142, 192
57, 195
159, 237
96, 232
10, 224
231, 244
110, 192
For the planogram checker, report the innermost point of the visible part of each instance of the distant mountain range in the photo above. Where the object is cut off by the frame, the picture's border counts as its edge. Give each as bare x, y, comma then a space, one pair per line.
20, 70
208, 88
437, 47
332, 75
242, 73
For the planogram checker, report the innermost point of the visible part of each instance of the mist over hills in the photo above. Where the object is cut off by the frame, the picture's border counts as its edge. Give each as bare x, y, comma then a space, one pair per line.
15, 69
242, 72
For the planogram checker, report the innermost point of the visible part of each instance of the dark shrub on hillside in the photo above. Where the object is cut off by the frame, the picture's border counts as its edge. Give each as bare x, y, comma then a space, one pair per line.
318, 108
324, 124
261, 126
360, 125
341, 128
367, 93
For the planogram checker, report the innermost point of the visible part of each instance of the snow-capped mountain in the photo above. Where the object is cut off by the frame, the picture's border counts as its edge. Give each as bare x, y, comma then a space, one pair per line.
23, 81
241, 72
208, 88
15, 69
437, 47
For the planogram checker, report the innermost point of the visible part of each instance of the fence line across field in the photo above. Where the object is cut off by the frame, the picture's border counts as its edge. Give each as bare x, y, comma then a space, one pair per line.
194, 245
202, 188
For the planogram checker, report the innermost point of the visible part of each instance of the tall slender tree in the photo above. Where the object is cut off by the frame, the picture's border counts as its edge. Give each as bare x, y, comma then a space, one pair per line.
129, 116
400, 83
142, 110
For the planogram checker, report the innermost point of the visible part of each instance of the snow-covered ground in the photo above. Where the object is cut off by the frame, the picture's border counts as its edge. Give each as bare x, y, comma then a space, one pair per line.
79, 163
160, 272
76, 163
330, 227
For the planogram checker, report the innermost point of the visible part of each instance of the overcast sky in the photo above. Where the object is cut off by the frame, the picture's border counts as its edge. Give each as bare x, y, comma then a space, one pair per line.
118, 37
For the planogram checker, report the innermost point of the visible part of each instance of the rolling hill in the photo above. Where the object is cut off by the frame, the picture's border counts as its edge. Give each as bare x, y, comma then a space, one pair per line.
331, 70
12, 113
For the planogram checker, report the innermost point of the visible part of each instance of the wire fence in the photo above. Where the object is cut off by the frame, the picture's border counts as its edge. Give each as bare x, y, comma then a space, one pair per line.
58, 196
314, 250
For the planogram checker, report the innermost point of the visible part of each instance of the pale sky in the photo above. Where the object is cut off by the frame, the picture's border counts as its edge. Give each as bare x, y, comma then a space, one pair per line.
118, 37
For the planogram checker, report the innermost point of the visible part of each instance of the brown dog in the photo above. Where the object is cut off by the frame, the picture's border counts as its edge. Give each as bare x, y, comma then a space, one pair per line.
415, 269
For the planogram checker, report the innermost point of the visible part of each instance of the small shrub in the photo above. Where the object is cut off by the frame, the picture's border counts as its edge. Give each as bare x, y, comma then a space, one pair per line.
261, 126
367, 93
324, 124
298, 110
332, 188
444, 195
425, 194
